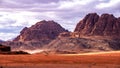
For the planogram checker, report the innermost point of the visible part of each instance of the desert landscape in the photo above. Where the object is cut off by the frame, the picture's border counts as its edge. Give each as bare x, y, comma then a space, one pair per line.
48, 45
59, 34
85, 60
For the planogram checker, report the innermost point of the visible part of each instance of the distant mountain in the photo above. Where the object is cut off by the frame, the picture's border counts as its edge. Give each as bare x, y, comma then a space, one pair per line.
95, 25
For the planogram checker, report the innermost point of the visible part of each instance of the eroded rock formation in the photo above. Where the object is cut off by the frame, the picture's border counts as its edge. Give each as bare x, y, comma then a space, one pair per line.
95, 25
43, 30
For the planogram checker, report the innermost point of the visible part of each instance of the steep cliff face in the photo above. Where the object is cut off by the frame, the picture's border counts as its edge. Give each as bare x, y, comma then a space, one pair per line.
43, 30
86, 25
95, 25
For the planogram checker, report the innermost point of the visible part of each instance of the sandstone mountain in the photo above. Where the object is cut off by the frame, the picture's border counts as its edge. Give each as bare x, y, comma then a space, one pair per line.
95, 25
43, 30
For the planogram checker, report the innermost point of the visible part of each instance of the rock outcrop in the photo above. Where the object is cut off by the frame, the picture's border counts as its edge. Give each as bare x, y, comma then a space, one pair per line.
95, 25
4, 48
43, 30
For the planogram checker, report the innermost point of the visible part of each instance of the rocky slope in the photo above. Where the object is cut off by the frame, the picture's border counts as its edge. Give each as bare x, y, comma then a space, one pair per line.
95, 25
78, 45
26, 45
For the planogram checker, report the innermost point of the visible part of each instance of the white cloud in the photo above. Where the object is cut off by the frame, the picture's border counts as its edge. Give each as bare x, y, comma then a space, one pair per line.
111, 3
7, 36
73, 3
17, 19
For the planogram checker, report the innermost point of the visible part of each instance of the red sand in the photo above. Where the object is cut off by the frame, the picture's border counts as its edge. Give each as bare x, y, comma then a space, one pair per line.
99, 59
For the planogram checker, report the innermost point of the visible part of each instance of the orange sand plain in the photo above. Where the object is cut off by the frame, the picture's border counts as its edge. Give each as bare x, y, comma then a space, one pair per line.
105, 59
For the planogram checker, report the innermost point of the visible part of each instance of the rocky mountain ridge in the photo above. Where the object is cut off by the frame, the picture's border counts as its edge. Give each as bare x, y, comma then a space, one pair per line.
95, 25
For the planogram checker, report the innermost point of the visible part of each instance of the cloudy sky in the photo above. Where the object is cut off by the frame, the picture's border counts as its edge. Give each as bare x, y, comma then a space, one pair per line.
16, 14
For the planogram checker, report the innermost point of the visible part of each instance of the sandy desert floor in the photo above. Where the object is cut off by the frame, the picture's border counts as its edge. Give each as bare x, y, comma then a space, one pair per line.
86, 60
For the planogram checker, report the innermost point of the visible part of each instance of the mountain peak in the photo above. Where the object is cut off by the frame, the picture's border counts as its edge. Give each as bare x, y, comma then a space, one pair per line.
43, 30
